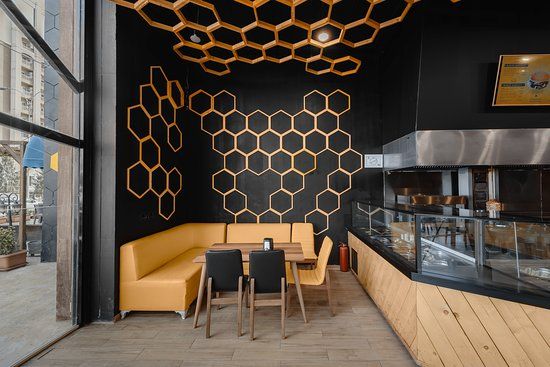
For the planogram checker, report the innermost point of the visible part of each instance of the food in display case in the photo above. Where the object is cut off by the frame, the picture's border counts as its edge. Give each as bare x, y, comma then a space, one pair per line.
508, 253
394, 230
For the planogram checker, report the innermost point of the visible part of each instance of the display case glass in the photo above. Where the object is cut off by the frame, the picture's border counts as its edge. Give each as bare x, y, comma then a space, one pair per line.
505, 254
391, 228
518, 250
447, 245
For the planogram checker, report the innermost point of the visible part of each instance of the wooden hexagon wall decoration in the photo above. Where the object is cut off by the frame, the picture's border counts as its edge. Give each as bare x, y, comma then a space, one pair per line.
154, 124
282, 149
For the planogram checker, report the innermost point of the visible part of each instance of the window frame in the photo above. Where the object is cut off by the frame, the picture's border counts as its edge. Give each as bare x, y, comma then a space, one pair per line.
83, 91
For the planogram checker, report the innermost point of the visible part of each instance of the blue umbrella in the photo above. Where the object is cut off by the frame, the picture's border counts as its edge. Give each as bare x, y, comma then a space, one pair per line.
34, 153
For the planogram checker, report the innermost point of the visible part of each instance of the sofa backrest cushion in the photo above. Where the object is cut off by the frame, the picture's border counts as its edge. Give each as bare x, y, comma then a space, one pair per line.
303, 233
140, 257
256, 232
207, 234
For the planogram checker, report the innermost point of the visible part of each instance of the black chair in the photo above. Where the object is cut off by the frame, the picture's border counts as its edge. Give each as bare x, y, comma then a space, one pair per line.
224, 270
267, 275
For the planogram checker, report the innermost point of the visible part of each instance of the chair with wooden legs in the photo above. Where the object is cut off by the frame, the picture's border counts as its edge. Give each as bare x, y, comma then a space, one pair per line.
224, 270
319, 276
267, 276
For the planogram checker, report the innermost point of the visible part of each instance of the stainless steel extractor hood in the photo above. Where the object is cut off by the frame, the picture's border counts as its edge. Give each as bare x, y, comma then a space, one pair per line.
459, 148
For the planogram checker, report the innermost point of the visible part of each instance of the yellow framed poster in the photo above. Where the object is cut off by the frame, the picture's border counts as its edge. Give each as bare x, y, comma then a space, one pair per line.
523, 80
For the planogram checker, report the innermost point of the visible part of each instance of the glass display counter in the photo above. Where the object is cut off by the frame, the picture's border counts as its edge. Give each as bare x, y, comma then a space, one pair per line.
507, 256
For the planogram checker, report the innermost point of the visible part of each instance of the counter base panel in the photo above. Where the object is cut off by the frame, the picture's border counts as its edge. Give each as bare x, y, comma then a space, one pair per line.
447, 327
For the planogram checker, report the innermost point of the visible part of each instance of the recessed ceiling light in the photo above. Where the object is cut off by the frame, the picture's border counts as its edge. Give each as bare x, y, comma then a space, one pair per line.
323, 36
195, 38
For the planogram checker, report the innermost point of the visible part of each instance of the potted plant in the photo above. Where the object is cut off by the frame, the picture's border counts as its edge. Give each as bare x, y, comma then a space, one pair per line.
9, 257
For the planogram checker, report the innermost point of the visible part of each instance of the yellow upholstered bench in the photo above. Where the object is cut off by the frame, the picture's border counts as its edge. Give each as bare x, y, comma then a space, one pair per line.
157, 272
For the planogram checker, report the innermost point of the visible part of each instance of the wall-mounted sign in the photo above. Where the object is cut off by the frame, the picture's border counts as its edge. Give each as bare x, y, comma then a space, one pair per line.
374, 161
523, 80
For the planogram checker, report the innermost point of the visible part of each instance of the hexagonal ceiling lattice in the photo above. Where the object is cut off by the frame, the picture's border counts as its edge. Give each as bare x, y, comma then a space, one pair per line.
252, 31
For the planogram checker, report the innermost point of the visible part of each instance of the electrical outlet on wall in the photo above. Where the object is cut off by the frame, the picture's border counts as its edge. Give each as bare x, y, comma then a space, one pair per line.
374, 161
146, 216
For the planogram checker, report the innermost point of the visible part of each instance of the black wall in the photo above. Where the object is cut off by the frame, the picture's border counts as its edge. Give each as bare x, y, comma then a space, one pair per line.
436, 70
265, 86
459, 62
138, 48
443, 75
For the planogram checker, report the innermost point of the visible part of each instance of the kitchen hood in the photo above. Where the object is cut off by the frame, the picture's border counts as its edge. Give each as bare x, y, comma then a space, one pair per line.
459, 148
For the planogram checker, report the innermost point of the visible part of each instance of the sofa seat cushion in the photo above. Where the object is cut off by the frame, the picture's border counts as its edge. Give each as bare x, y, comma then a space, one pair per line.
180, 269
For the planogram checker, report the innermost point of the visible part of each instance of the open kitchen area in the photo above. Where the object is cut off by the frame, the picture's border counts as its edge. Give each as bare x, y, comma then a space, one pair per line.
463, 231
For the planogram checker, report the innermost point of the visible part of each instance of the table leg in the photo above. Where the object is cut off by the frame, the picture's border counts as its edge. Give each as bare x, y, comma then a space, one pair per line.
298, 288
199, 296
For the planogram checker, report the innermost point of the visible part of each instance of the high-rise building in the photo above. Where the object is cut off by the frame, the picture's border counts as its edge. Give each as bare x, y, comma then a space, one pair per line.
21, 69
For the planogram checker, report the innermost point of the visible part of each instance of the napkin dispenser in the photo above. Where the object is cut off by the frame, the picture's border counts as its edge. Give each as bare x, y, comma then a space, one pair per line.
268, 244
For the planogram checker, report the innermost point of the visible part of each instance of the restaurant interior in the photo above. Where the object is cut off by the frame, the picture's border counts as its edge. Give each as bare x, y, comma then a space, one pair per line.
275, 183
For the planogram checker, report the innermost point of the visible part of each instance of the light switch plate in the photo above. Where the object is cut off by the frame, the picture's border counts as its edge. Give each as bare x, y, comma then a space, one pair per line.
374, 161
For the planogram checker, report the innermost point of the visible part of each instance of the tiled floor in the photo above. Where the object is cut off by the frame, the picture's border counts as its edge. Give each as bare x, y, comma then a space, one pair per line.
27, 310
357, 336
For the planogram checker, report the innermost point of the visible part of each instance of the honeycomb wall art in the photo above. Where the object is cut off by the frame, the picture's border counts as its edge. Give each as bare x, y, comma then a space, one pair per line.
153, 124
283, 153
322, 34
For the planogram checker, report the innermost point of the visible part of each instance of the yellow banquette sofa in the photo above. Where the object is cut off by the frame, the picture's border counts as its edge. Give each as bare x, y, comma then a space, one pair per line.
157, 272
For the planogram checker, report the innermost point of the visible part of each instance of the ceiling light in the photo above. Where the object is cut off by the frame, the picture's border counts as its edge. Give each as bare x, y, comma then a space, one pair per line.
195, 38
323, 36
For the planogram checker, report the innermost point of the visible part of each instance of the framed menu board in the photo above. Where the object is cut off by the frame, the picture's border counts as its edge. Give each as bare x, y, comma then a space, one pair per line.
523, 80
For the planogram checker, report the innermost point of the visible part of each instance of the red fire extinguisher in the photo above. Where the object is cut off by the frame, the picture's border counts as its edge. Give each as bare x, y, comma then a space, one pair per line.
344, 257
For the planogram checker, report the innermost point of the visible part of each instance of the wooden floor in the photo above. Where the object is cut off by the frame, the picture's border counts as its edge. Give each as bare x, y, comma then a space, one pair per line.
357, 336
27, 310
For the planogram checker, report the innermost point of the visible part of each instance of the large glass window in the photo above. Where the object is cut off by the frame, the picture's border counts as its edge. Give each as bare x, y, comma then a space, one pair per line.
40, 177
30, 88
39, 237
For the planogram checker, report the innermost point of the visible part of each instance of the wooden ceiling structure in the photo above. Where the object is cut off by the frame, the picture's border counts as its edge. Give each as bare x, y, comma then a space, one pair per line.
278, 31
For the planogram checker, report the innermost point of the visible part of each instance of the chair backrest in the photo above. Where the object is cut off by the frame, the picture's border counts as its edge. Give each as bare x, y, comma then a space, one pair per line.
224, 267
267, 268
322, 259
303, 233
256, 232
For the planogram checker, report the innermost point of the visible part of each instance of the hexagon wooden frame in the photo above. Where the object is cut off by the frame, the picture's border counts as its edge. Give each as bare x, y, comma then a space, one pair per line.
280, 148
184, 23
170, 173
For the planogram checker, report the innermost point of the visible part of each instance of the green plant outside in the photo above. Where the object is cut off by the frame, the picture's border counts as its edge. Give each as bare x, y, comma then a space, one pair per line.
7, 241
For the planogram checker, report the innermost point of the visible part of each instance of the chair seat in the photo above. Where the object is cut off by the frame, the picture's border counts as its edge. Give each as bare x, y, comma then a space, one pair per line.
307, 277
178, 270
309, 255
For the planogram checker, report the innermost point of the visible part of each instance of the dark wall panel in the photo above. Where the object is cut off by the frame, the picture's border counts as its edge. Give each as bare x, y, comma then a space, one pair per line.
267, 87
270, 89
438, 68
398, 83
459, 62
520, 190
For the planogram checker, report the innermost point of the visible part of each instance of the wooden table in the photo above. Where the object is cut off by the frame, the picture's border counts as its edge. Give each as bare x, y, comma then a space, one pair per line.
293, 253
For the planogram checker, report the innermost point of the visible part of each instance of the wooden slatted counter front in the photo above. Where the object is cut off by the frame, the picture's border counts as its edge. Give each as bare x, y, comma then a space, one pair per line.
447, 327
